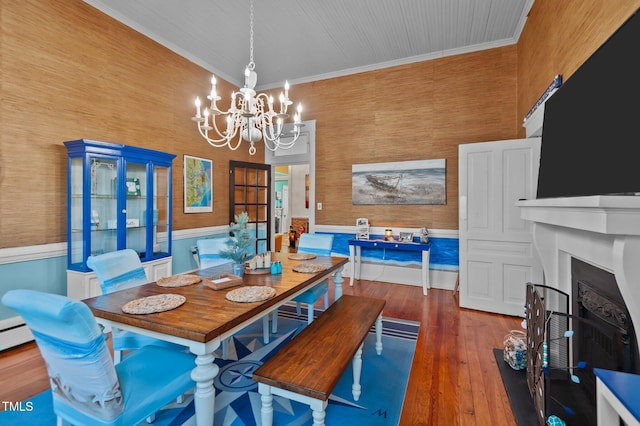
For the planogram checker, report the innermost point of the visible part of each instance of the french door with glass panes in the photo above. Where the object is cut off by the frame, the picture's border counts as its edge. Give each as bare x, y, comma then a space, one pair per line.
250, 191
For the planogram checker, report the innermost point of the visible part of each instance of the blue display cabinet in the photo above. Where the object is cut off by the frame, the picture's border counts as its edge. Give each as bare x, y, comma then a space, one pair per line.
118, 197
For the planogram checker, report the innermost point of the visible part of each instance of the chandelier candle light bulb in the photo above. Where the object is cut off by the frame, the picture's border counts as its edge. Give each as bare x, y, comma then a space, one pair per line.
252, 116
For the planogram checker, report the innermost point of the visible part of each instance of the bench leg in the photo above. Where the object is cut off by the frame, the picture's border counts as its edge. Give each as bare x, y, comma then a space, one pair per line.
267, 404
356, 388
379, 335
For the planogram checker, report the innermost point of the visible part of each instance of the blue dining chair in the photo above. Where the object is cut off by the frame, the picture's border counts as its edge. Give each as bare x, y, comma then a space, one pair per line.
209, 256
320, 245
87, 387
209, 252
119, 270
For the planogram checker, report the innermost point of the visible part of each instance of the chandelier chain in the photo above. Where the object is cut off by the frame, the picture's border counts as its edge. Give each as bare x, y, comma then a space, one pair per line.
252, 64
251, 115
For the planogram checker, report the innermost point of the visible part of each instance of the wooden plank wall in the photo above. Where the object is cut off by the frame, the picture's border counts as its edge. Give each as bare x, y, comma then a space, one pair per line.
67, 71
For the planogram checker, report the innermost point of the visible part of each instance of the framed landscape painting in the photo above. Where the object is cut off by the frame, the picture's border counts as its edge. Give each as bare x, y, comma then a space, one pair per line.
198, 185
404, 182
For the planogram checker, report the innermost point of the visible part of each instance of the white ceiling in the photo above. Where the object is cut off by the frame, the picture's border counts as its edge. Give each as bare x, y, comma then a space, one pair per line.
308, 40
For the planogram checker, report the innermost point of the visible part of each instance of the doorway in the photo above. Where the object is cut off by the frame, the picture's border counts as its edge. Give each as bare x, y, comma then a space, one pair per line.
291, 201
293, 191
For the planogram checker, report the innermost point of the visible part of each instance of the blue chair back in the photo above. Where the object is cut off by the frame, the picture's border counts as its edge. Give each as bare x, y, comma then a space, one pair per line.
209, 252
118, 270
318, 244
81, 372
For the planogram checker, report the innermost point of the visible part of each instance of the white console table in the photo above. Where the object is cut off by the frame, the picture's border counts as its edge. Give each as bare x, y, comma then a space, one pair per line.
355, 256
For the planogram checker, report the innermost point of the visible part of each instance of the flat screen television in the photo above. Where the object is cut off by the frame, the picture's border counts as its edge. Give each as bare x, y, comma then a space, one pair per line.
591, 129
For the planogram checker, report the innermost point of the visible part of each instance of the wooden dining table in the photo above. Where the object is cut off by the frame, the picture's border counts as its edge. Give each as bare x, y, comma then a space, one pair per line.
207, 317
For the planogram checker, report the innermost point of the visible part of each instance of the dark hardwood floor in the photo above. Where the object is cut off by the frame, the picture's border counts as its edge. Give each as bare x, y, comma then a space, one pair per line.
454, 378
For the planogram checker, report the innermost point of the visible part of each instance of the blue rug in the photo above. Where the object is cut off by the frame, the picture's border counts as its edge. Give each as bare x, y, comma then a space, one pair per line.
384, 381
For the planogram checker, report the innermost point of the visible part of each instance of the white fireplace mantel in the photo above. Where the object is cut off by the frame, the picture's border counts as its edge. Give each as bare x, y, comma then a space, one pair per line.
601, 230
605, 214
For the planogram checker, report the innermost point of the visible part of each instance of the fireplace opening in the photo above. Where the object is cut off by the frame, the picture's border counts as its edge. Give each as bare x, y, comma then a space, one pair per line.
564, 347
597, 298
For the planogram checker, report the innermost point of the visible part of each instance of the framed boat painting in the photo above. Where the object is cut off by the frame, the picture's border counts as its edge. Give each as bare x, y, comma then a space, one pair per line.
404, 182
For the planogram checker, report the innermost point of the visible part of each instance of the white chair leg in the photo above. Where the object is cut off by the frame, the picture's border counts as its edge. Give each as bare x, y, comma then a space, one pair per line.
309, 313
274, 322
225, 348
326, 300
151, 418
117, 356
298, 310
265, 329
180, 399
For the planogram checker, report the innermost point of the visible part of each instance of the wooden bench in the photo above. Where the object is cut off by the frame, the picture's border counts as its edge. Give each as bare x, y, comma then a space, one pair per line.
308, 367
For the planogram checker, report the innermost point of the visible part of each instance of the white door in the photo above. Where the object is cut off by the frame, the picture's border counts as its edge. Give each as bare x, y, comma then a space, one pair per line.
497, 256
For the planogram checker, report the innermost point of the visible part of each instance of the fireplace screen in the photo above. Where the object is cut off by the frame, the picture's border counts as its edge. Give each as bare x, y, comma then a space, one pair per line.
562, 350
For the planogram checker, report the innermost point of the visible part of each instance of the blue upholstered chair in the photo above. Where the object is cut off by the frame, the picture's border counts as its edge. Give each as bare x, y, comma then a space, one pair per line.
209, 256
87, 388
119, 270
320, 245
209, 252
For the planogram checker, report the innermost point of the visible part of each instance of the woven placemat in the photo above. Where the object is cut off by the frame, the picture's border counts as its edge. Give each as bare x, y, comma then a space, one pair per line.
178, 280
152, 304
251, 294
302, 256
309, 268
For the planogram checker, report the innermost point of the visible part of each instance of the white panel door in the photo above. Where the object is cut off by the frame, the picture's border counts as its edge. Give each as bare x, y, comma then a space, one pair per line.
497, 256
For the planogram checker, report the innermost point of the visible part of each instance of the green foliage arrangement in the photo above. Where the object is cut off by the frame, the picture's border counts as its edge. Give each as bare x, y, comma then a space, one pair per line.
241, 245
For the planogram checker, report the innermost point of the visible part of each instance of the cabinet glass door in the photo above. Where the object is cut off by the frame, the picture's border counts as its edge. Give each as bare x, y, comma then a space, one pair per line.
161, 211
103, 207
136, 207
75, 220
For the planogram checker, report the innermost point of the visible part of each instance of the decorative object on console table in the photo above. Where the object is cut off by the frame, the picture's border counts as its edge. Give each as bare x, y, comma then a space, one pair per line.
388, 235
362, 229
424, 235
406, 237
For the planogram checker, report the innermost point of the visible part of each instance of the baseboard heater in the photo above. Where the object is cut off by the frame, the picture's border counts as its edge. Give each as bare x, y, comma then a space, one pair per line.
14, 332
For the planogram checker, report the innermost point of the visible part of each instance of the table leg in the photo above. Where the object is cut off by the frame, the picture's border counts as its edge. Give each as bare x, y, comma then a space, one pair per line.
379, 334
425, 272
352, 264
337, 281
204, 396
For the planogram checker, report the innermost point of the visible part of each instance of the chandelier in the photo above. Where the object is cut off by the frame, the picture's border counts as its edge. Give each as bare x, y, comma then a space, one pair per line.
251, 116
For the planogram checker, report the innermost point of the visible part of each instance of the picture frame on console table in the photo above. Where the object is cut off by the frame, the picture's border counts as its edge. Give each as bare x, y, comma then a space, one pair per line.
406, 237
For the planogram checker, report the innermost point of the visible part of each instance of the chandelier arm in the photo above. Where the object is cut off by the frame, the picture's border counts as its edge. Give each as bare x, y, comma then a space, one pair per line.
222, 135
218, 143
273, 144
